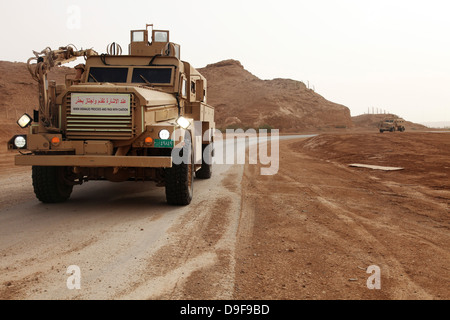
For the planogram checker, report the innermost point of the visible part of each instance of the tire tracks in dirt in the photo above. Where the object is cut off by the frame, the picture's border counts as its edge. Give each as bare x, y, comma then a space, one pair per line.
198, 260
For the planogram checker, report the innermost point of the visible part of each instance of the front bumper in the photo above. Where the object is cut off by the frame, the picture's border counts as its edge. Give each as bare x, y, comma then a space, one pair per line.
93, 161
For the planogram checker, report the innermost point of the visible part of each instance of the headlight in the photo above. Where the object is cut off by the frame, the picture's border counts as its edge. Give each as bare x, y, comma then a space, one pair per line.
20, 142
183, 122
24, 121
164, 134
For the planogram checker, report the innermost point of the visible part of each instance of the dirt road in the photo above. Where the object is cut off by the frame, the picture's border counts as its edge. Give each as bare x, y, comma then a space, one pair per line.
309, 232
127, 242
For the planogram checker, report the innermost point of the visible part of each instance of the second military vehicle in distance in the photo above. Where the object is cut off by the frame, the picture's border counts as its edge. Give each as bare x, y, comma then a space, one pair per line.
392, 124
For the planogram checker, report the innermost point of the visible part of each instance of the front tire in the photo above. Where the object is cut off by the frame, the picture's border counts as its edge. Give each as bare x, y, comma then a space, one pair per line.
179, 179
49, 184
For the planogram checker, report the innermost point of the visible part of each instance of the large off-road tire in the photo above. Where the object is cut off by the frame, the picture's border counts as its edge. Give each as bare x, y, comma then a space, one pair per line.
49, 184
179, 179
205, 172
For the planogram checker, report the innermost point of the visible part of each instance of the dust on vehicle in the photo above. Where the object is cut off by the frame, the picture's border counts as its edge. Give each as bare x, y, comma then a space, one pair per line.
141, 117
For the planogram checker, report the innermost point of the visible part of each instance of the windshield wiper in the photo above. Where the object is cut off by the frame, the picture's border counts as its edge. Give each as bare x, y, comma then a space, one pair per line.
143, 78
90, 74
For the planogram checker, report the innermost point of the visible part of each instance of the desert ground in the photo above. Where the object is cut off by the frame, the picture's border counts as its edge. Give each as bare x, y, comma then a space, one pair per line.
310, 232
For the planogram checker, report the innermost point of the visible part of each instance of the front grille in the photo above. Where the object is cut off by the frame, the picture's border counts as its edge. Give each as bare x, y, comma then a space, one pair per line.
99, 127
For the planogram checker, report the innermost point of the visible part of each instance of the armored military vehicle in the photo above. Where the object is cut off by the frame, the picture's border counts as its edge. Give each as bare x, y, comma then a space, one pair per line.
392, 124
141, 117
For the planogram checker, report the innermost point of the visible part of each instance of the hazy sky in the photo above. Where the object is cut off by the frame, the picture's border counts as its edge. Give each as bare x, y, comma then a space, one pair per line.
388, 54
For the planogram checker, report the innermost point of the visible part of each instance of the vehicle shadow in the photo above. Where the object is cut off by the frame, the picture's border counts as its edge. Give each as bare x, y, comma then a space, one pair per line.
96, 198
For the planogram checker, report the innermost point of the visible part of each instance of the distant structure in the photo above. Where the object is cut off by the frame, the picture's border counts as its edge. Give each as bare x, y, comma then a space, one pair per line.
377, 111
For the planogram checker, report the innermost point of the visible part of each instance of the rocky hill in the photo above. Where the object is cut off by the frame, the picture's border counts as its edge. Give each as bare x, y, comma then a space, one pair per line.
18, 91
243, 100
19, 94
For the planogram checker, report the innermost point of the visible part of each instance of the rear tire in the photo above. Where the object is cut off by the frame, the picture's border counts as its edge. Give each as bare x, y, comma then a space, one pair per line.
49, 184
179, 179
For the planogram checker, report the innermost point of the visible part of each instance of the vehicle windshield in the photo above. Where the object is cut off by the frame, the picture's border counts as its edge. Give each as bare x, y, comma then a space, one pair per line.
140, 75
114, 75
152, 75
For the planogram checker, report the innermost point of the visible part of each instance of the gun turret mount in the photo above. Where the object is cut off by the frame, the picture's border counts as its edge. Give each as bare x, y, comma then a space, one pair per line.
152, 42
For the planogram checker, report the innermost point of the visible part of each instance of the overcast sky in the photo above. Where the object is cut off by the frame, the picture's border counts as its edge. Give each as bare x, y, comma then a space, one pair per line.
388, 54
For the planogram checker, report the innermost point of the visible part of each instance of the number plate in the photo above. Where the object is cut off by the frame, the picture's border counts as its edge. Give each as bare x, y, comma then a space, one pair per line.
159, 143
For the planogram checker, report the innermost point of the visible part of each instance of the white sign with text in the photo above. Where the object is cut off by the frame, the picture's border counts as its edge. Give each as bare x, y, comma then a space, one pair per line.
100, 104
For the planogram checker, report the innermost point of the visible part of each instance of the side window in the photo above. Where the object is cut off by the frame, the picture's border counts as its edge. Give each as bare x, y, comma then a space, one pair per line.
193, 87
184, 87
161, 36
138, 36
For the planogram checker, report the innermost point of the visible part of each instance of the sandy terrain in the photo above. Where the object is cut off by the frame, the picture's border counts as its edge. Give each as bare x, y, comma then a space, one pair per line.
319, 224
309, 232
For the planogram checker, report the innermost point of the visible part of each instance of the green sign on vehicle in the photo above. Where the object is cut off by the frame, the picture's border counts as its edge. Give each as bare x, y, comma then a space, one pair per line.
159, 143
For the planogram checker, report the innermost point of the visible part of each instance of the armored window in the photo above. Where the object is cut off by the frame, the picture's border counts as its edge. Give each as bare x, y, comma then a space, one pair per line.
184, 88
138, 36
161, 36
152, 75
114, 75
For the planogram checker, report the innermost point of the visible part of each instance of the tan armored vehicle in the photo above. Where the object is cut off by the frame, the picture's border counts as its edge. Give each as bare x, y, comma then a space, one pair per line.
392, 124
140, 117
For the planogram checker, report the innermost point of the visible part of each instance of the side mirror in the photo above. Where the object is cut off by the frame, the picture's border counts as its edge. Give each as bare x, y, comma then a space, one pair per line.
24, 121
200, 90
